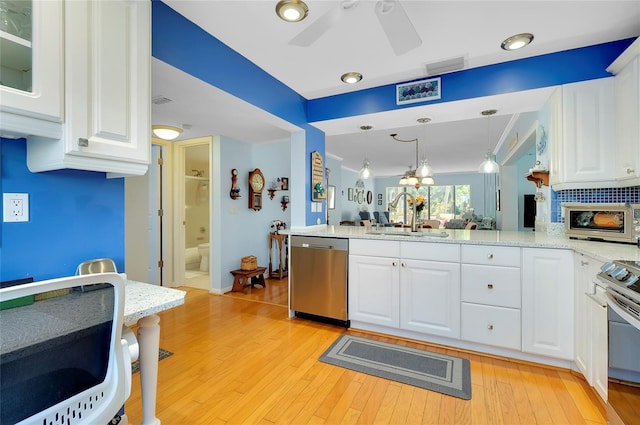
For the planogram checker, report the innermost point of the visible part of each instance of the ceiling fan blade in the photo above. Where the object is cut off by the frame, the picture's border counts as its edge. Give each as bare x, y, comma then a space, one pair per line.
318, 27
397, 26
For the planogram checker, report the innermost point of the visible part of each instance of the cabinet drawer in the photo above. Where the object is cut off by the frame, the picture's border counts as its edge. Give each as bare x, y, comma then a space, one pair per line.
499, 286
491, 325
374, 248
491, 255
430, 251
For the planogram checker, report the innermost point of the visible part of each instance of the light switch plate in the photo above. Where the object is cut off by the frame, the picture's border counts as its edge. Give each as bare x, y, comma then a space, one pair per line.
15, 207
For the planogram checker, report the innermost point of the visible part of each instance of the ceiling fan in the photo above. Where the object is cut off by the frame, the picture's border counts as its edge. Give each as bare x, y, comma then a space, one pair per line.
394, 21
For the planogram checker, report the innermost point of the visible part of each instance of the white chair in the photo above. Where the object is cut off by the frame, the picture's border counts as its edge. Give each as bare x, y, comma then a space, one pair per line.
63, 357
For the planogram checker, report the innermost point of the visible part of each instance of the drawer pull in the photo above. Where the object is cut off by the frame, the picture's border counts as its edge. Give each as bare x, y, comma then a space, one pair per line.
490, 256
490, 327
403, 265
394, 264
490, 286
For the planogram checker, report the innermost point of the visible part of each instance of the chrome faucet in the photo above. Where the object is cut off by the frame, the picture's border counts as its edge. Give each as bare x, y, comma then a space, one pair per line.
394, 204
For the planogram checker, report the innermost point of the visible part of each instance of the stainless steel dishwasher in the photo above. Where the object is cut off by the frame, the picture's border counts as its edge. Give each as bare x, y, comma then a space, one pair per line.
319, 277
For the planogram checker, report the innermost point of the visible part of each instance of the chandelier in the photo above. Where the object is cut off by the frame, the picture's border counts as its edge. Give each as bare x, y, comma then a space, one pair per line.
422, 174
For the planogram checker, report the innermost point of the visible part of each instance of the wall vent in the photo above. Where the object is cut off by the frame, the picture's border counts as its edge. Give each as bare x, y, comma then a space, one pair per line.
159, 100
442, 67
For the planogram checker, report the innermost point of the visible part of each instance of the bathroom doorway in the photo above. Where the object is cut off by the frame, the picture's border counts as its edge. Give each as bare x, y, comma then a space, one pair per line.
193, 177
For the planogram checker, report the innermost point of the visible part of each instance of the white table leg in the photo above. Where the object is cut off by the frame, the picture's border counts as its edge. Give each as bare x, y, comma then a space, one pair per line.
149, 340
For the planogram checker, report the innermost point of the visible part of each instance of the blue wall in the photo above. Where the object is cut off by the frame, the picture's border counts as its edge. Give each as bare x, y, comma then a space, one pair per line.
74, 216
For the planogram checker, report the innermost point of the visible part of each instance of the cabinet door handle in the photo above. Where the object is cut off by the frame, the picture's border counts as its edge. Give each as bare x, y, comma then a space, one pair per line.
490, 256
584, 263
394, 264
490, 286
490, 327
403, 264
630, 171
83, 143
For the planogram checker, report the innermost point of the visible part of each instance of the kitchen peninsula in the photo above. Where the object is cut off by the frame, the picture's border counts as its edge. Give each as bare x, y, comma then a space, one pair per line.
510, 294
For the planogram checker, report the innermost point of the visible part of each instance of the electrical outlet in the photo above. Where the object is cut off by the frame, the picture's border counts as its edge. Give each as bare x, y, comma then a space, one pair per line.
16, 207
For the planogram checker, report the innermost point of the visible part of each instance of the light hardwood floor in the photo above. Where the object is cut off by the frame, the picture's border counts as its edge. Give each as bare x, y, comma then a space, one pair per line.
238, 359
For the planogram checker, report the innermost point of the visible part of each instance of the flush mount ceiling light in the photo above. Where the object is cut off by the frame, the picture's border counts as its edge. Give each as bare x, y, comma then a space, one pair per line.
292, 10
351, 77
166, 132
489, 165
517, 41
365, 171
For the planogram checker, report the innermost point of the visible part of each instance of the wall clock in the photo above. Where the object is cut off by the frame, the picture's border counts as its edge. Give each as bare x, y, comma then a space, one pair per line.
256, 186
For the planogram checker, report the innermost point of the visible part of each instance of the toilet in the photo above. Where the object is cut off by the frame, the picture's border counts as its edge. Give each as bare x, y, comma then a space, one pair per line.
203, 250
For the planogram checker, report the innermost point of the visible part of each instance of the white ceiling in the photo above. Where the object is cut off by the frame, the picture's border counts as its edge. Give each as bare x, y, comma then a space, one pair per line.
457, 137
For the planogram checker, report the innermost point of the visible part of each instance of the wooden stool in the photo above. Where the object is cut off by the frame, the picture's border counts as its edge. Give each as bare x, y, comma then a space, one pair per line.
244, 278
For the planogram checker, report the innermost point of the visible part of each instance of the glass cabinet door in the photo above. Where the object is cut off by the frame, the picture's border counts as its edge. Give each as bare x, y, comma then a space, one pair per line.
31, 67
15, 43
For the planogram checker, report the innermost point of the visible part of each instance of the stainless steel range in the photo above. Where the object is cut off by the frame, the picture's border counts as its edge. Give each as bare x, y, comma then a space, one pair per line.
623, 299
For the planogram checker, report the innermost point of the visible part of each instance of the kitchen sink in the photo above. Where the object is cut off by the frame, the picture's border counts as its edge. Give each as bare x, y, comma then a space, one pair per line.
419, 234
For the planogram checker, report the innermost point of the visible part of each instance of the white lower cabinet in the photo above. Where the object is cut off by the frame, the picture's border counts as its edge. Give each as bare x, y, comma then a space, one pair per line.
600, 342
405, 293
491, 295
430, 297
547, 302
491, 325
591, 336
496, 297
374, 290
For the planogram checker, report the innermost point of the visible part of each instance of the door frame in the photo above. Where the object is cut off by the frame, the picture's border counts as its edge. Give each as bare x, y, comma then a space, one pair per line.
179, 202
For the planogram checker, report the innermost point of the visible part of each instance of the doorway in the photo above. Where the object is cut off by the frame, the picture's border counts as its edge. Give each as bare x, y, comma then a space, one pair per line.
193, 211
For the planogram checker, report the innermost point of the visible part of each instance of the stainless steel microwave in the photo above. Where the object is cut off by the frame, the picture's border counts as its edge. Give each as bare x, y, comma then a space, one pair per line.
607, 222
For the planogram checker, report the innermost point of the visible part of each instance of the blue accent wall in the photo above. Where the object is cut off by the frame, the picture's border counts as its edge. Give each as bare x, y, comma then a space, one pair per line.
74, 216
569, 66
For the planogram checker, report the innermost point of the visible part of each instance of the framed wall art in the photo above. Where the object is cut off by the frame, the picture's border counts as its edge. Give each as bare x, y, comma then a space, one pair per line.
418, 91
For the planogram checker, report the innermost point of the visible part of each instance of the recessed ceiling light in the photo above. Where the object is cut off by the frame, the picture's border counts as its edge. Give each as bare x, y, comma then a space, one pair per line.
292, 10
517, 41
351, 77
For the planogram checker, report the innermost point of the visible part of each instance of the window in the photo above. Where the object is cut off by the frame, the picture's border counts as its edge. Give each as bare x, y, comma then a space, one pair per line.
443, 202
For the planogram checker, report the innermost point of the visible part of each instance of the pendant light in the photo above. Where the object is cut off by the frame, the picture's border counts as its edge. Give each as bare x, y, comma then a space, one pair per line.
489, 165
365, 171
424, 172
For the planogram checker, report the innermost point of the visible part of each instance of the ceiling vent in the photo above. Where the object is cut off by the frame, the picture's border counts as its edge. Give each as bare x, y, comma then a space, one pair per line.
159, 100
442, 67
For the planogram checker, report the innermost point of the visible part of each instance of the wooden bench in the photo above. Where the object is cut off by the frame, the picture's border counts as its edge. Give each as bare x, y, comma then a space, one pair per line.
244, 278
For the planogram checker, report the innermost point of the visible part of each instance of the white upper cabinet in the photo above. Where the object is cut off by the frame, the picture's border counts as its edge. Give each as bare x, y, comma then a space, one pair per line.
32, 69
584, 154
104, 119
627, 106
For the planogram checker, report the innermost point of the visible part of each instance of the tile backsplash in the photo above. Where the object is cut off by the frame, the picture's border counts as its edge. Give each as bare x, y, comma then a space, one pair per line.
592, 196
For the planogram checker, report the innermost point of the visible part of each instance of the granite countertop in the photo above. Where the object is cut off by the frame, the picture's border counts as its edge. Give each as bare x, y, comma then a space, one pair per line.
144, 299
73, 311
603, 251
